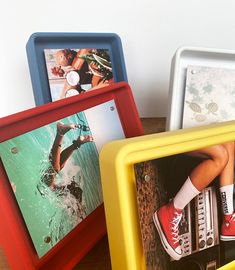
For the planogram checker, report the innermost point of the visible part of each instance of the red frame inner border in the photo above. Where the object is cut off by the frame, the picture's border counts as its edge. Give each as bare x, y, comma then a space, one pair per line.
15, 242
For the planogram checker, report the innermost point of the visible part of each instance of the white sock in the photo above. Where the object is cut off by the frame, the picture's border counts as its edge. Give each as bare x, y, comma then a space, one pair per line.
226, 193
187, 192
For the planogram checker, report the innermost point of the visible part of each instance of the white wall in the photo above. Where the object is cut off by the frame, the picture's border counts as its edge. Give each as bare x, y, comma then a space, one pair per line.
150, 30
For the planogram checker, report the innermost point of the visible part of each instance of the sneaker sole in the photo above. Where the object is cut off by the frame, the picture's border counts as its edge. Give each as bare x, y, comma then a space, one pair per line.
164, 241
227, 238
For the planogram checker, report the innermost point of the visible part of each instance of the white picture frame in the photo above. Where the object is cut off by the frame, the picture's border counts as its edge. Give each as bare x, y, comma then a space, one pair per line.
184, 57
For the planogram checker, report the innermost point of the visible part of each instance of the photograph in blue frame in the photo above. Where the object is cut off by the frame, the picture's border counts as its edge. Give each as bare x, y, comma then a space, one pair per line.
39, 44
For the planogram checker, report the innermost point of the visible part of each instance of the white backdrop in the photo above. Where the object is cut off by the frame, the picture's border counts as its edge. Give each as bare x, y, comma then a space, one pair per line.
151, 31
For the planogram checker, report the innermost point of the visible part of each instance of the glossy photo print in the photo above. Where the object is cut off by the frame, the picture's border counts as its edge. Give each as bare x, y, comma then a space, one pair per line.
74, 71
180, 223
54, 171
209, 94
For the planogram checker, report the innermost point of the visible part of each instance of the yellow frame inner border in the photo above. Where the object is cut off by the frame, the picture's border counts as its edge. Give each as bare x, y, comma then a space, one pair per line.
117, 161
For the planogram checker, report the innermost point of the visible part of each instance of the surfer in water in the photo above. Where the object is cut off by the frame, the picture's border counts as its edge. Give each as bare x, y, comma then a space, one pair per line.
59, 158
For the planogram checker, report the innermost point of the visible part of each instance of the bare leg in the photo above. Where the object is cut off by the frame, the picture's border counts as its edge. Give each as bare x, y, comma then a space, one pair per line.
58, 158
49, 175
227, 175
55, 151
226, 182
66, 153
226, 192
64, 156
215, 160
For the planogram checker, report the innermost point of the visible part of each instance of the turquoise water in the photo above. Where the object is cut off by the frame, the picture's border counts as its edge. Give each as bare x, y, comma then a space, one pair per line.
50, 215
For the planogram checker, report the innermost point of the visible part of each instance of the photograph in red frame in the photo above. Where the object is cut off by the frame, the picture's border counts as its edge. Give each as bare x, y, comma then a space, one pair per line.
69, 251
54, 171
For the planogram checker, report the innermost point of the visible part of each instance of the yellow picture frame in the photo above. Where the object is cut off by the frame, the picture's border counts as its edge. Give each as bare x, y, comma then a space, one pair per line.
117, 161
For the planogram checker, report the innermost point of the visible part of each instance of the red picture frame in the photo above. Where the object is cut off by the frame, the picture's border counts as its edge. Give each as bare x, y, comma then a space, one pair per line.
16, 247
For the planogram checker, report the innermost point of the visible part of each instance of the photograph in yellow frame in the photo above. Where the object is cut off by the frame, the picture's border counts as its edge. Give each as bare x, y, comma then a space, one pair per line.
168, 195
119, 183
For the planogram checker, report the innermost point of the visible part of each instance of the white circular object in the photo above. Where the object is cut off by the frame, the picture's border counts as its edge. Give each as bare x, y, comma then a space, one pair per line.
71, 92
147, 178
72, 78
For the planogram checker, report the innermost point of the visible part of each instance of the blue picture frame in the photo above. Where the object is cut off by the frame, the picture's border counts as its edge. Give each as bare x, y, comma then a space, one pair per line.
40, 41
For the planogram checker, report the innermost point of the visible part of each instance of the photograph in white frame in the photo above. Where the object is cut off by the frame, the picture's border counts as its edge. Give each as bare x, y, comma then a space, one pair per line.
184, 57
209, 93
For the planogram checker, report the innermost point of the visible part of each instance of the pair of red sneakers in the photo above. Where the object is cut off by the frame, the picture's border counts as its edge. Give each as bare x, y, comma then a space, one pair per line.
167, 220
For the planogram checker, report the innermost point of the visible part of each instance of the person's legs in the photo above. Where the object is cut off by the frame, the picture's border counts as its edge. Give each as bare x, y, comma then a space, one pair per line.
58, 158
226, 193
54, 157
56, 148
227, 175
66, 153
215, 159
167, 218
226, 181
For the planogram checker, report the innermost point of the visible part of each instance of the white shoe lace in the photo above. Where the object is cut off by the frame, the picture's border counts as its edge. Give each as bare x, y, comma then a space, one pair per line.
175, 228
232, 217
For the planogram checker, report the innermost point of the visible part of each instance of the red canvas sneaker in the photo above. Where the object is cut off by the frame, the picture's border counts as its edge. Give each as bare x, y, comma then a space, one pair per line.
228, 228
166, 220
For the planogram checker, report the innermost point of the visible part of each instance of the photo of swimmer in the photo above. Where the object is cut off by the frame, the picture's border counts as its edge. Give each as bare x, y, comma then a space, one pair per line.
54, 171
75, 71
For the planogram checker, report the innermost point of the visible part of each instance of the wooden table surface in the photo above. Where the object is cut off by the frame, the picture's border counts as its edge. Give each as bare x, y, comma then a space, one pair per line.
98, 258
